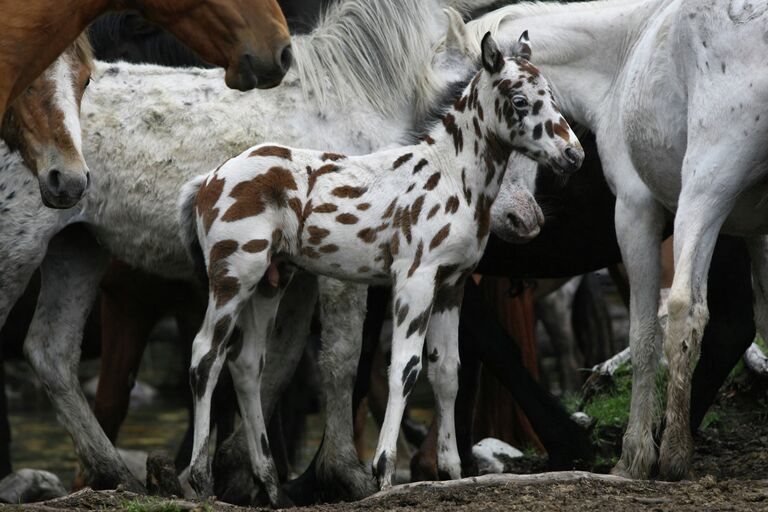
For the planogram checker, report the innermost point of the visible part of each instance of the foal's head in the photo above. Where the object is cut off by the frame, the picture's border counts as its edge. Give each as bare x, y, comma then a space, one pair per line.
43, 124
524, 110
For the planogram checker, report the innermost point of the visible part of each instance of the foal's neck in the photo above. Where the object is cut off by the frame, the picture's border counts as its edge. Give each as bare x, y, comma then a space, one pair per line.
467, 137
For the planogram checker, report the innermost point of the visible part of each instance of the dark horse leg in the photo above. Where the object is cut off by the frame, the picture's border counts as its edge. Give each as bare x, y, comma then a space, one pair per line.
731, 327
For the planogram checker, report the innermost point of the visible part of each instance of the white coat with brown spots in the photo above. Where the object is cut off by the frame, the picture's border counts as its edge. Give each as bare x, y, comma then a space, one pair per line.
417, 218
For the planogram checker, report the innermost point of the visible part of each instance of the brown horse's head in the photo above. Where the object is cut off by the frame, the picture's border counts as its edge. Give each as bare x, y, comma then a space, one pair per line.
43, 124
247, 37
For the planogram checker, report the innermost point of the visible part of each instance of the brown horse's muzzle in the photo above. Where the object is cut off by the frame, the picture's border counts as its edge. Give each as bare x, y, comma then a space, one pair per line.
252, 72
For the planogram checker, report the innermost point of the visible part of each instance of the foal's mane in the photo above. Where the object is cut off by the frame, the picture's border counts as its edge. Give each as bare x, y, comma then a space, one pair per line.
82, 50
371, 50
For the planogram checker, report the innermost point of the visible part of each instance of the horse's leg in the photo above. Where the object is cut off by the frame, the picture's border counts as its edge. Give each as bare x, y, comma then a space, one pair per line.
731, 326
342, 310
70, 274
232, 473
639, 225
125, 326
247, 361
555, 311
443, 373
481, 333
412, 308
713, 178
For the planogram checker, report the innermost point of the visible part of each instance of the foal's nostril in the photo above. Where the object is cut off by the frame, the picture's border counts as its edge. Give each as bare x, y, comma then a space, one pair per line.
54, 180
572, 155
286, 58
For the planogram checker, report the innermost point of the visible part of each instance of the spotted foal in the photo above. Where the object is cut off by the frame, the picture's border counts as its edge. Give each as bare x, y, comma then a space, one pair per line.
416, 218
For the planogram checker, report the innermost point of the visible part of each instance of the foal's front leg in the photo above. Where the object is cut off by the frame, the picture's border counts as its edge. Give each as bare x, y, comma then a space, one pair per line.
443, 372
412, 298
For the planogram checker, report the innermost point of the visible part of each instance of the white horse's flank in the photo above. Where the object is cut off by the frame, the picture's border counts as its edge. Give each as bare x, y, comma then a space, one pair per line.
143, 147
676, 93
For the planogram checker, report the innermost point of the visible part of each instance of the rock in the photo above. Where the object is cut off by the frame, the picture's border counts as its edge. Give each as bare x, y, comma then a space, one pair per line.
494, 456
30, 485
136, 461
161, 476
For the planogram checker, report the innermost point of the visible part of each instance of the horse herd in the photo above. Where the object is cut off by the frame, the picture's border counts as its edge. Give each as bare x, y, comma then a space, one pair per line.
670, 99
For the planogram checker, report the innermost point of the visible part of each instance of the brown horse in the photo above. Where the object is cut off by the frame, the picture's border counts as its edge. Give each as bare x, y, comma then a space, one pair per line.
43, 124
247, 37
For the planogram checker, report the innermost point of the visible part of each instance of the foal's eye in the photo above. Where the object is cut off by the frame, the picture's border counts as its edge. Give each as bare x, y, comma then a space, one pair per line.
87, 82
520, 101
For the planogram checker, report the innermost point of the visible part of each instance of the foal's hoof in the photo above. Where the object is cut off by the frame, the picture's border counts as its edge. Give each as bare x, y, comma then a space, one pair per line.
201, 483
283, 501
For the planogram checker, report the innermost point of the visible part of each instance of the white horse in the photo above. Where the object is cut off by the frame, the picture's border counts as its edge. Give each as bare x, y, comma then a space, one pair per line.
676, 93
142, 147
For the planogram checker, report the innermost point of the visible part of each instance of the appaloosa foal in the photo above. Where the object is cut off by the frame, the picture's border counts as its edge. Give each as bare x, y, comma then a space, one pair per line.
417, 218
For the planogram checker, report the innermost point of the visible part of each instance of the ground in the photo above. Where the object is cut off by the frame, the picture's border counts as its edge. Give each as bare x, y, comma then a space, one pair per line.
730, 471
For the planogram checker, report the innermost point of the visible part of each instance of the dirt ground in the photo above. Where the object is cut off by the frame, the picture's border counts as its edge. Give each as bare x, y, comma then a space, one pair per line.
730, 472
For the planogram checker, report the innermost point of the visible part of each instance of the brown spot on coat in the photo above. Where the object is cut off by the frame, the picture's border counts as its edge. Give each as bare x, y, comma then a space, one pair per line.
429, 140
256, 245
416, 258
363, 206
401, 160
275, 151
367, 235
394, 244
561, 130
419, 166
348, 191
327, 249
253, 196
449, 122
346, 218
416, 209
316, 234
206, 199
432, 181
390, 209
223, 286
326, 208
433, 211
334, 157
440, 236
483, 217
452, 205
321, 171
363, 270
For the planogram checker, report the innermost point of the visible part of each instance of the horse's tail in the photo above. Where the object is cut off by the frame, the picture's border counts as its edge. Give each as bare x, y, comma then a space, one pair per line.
188, 223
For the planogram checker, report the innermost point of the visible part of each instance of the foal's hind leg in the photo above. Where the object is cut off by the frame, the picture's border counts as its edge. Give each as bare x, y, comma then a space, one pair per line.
247, 359
231, 279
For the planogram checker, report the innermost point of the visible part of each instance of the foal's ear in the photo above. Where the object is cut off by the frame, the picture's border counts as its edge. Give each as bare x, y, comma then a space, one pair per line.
522, 48
493, 60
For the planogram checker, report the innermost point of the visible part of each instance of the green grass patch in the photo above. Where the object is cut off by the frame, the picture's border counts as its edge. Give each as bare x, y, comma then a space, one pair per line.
150, 504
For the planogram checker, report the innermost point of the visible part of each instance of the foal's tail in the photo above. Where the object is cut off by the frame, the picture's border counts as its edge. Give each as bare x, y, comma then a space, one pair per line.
188, 223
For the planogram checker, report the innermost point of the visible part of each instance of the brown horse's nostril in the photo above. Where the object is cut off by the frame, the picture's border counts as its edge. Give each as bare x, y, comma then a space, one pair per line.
286, 58
54, 181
